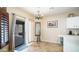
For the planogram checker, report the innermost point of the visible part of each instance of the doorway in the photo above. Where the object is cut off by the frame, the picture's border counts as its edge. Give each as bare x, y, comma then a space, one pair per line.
19, 33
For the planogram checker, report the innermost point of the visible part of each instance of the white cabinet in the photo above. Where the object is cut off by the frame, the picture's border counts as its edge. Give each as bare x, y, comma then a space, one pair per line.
71, 43
73, 22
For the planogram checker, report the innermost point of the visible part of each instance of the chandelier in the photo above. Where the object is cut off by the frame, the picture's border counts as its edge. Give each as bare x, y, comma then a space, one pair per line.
38, 15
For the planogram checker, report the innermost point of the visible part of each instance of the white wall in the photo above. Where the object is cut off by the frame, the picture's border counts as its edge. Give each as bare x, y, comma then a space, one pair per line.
51, 34
31, 31
27, 30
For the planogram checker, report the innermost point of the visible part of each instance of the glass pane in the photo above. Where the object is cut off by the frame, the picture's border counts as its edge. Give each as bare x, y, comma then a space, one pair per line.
38, 29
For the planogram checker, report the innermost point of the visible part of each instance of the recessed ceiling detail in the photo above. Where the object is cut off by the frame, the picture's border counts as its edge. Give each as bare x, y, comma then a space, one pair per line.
49, 10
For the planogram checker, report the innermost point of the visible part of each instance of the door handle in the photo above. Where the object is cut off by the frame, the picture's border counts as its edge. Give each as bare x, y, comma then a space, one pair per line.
20, 33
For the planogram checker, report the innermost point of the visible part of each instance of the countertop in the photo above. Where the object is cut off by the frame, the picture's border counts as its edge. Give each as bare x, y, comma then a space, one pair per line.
67, 35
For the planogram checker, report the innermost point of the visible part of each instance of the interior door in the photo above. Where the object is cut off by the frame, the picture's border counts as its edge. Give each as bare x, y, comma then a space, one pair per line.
19, 33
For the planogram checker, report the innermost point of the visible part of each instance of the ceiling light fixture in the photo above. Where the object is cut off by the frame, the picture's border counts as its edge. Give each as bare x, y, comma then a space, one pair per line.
38, 15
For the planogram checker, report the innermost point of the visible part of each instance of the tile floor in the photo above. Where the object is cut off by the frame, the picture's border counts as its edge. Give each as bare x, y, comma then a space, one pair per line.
43, 47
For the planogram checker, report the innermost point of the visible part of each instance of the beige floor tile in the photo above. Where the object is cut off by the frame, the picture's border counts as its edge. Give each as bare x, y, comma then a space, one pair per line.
44, 47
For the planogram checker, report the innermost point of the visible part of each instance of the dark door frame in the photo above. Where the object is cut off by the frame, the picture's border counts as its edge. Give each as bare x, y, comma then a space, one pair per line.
23, 28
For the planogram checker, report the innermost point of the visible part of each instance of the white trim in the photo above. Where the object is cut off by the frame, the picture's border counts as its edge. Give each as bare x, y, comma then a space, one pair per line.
13, 31
20, 17
25, 19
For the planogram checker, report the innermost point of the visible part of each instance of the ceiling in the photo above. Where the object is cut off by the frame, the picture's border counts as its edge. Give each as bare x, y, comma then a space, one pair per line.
49, 10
